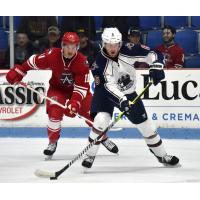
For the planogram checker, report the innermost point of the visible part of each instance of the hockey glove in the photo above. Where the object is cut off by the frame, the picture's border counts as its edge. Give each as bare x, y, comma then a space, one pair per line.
73, 107
69, 113
156, 73
16, 74
125, 104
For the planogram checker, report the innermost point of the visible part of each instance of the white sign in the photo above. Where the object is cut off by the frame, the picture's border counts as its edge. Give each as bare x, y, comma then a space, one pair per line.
173, 103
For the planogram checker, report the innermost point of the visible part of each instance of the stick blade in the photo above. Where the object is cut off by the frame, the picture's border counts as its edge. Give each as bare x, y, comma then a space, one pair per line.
44, 174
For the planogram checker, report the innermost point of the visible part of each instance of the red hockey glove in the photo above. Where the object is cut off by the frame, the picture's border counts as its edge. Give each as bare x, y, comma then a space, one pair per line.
69, 113
15, 75
73, 107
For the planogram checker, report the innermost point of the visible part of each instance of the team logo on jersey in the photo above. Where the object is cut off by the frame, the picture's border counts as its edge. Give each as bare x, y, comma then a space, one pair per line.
67, 78
125, 82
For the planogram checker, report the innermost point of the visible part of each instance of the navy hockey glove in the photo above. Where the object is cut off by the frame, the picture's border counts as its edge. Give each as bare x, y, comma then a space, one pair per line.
156, 73
124, 104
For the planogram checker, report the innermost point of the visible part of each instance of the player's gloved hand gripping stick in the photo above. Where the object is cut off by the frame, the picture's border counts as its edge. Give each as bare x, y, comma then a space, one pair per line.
54, 175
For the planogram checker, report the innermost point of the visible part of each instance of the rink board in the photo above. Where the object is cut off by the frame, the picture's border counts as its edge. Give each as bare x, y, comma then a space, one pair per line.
129, 133
173, 104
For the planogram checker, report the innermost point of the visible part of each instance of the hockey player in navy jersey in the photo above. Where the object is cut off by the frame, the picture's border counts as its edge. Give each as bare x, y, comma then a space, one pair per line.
115, 84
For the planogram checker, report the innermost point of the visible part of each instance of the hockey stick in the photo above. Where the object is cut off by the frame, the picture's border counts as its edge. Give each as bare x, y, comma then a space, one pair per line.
51, 100
55, 175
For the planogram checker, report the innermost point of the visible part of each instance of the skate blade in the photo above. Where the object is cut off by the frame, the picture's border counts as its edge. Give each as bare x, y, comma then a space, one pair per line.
172, 166
85, 170
115, 154
47, 158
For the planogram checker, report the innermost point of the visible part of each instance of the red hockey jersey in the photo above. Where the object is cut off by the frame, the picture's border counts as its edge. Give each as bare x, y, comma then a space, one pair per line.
69, 75
174, 55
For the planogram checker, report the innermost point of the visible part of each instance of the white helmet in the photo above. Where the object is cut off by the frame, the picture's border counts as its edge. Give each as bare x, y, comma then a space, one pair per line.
111, 36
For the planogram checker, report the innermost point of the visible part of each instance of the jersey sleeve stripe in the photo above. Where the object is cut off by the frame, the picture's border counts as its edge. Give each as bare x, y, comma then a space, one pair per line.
80, 87
80, 93
20, 72
31, 62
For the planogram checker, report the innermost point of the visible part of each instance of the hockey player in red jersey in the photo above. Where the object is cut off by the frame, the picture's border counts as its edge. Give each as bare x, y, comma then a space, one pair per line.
69, 83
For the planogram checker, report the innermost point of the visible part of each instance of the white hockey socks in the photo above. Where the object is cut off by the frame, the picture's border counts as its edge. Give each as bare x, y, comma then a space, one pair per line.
152, 138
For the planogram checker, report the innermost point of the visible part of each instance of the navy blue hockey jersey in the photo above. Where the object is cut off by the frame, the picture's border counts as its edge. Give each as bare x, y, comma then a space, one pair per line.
118, 78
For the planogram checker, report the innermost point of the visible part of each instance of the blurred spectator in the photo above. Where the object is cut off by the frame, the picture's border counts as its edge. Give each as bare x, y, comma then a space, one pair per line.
51, 40
23, 49
36, 26
74, 23
173, 53
134, 37
87, 47
123, 23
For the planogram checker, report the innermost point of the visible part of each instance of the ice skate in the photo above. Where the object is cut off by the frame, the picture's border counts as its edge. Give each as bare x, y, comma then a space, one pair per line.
87, 162
111, 146
89, 157
167, 160
50, 150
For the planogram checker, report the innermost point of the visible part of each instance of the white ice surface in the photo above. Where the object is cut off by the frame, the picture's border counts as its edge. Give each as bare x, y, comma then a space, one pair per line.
19, 158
